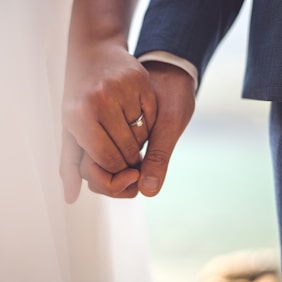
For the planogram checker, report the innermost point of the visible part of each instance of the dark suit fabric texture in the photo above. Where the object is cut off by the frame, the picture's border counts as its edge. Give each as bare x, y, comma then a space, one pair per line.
192, 29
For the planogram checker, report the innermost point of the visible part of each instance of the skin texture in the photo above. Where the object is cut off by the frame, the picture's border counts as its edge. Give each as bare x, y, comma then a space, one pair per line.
106, 89
175, 95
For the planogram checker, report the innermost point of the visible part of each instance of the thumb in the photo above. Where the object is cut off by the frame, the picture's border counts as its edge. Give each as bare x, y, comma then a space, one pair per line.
71, 155
174, 113
154, 166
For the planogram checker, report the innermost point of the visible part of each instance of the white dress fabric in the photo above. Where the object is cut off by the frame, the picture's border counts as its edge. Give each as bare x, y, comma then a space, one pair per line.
42, 239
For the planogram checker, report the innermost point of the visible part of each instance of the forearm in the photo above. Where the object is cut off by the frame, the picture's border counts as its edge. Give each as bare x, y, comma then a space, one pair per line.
196, 27
100, 20
169, 58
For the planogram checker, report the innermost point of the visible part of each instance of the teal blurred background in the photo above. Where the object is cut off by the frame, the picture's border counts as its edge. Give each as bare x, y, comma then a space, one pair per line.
218, 196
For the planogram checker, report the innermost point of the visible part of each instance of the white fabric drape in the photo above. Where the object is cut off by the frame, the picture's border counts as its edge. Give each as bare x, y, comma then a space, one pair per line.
41, 238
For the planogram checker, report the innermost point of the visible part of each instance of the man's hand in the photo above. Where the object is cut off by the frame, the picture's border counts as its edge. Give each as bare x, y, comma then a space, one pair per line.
175, 94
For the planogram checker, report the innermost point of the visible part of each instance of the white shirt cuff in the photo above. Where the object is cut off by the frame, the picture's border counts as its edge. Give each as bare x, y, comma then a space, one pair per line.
166, 57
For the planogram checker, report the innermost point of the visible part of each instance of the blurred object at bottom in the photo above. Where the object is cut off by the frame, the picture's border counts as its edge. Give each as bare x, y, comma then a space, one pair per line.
243, 266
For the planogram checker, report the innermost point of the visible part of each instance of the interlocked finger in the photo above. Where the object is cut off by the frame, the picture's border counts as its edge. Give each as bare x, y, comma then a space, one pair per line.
120, 185
128, 139
140, 130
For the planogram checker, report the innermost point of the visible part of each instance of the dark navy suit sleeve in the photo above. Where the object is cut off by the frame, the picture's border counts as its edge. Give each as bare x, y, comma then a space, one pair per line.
263, 79
190, 29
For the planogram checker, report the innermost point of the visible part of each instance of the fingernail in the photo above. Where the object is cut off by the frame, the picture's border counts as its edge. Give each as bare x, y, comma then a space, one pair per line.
151, 183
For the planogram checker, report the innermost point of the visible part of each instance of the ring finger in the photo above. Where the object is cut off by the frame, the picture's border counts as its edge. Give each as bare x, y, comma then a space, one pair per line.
128, 139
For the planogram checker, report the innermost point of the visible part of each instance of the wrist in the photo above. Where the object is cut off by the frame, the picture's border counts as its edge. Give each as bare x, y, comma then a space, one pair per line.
99, 21
167, 70
168, 79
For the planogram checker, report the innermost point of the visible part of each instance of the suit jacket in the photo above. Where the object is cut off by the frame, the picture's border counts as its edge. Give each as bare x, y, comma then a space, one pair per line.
192, 29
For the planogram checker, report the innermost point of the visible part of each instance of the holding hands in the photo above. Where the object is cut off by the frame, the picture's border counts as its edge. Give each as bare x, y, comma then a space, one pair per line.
106, 92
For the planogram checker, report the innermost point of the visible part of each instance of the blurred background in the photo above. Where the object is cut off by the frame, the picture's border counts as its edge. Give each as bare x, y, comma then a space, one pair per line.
218, 196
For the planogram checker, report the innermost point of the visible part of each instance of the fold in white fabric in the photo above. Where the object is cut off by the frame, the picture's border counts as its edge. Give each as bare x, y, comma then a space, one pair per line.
42, 239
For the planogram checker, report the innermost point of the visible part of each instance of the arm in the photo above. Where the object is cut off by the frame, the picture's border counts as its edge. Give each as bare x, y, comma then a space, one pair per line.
189, 29
105, 90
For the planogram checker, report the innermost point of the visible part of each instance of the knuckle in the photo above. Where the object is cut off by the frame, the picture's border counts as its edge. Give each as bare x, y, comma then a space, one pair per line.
131, 153
114, 163
98, 98
75, 110
89, 101
175, 120
139, 75
109, 190
142, 73
158, 157
98, 92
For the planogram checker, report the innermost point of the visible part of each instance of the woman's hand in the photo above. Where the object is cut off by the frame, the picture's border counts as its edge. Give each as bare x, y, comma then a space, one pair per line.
106, 90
